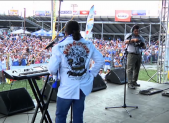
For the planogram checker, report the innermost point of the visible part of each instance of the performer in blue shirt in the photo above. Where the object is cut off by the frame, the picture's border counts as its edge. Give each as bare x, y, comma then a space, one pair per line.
71, 57
107, 62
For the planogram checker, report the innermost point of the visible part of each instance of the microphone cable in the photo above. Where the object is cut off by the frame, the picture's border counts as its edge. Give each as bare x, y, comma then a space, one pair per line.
147, 73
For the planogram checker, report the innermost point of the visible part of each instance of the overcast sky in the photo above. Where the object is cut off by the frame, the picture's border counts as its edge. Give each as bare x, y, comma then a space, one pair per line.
106, 6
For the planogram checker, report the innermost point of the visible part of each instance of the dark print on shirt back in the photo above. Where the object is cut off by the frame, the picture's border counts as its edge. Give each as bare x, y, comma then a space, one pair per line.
76, 54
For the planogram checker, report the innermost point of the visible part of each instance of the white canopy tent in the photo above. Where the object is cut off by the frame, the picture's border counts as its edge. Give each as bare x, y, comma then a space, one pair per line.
20, 31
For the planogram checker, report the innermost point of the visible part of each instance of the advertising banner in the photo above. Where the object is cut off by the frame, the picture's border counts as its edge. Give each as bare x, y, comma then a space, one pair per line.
76, 12
90, 22
47, 13
123, 15
39, 13
13, 12
65, 12
139, 12
84, 12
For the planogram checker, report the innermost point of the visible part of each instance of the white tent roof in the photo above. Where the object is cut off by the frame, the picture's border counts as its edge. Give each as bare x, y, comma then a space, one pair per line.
20, 31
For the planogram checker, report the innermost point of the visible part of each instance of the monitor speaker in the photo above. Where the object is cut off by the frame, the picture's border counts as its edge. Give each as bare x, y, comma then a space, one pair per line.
15, 101
98, 83
116, 76
47, 90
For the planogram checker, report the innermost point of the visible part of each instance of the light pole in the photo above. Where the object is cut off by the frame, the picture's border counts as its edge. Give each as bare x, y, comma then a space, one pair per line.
51, 15
24, 19
73, 5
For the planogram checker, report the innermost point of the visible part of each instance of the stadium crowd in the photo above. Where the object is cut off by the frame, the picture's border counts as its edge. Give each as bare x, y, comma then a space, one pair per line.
24, 51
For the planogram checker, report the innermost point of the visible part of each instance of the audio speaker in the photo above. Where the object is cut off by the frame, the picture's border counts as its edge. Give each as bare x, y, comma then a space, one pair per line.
15, 101
98, 83
116, 76
47, 90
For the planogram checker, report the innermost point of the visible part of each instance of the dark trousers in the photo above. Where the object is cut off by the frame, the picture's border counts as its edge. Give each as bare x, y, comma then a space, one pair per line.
133, 67
2, 76
63, 105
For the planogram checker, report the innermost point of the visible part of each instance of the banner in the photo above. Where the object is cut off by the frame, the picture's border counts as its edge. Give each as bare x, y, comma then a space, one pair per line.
54, 20
13, 12
47, 13
90, 22
65, 12
139, 12
76, 12
123, 15
84, 12
39, 13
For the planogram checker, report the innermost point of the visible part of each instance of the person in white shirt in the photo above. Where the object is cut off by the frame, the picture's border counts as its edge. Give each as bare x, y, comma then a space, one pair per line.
71, 58
102, 74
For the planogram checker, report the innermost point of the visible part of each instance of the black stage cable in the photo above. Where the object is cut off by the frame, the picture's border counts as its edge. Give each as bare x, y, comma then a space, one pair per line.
3, 117
19, 114
30, 113
147, 73
10, 102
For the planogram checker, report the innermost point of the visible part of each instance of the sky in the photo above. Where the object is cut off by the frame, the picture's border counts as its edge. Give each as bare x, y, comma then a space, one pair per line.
104, 6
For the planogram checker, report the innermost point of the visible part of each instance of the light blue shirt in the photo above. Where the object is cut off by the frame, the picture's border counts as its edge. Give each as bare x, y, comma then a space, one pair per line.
107, 58
131, 48
3, 65
0, 66
72, 59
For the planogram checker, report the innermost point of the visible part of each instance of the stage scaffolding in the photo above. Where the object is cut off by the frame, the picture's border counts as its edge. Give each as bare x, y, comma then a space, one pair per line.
106, 26
163, 57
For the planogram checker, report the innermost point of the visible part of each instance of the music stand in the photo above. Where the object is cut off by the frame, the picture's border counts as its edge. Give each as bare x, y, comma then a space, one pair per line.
124, 105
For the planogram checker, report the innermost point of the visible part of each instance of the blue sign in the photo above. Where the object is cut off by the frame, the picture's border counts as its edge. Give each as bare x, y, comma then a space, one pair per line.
65, 12
40, 13
139, 12
47, 13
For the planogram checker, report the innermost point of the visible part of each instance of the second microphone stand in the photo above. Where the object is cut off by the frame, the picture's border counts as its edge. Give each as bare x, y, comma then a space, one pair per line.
124, 105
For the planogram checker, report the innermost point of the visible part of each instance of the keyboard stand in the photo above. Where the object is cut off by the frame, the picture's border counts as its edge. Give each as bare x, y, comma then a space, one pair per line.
40, 102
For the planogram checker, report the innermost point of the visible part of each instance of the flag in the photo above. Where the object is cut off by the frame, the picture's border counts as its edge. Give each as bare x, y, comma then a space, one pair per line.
90, 22
54, 20
9, 81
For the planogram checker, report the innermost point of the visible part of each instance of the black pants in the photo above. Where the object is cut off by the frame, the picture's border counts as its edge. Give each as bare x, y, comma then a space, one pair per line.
133, 67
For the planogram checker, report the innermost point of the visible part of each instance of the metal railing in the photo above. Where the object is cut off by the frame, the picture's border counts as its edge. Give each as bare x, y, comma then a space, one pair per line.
41, 25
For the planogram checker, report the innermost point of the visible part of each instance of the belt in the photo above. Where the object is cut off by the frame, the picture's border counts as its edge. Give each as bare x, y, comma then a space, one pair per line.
134, 54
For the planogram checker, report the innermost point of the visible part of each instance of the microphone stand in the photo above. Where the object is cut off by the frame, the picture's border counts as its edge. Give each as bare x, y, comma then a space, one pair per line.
124, 104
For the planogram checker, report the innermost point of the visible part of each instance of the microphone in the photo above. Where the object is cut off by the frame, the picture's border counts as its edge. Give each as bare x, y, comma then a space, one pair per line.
51, 44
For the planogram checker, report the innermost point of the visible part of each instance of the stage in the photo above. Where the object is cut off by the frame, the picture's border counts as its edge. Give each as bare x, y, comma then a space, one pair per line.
152, 109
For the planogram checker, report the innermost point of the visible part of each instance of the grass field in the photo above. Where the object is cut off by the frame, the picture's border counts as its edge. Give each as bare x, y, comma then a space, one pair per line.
24, 83
21, 84
144, 76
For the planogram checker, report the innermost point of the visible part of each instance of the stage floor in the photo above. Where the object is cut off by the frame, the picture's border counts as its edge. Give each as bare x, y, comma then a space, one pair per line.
152, 109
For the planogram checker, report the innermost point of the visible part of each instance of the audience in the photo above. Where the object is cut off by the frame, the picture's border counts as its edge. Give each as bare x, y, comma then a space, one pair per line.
24, 51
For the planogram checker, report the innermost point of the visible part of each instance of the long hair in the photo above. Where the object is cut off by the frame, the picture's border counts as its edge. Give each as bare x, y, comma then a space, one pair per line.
72, 28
